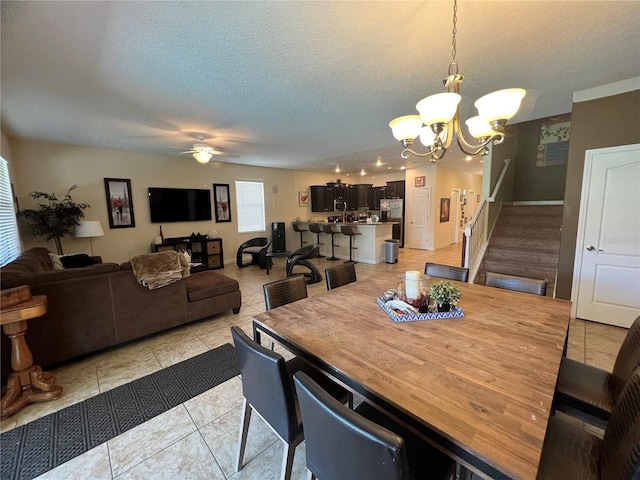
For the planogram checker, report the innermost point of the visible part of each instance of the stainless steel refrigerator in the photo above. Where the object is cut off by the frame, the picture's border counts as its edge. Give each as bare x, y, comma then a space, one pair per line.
393, 210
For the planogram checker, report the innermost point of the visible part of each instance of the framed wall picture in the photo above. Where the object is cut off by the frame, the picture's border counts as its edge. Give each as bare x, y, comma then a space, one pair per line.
119, 202
445, 204
303, 199
420, 181
223, 204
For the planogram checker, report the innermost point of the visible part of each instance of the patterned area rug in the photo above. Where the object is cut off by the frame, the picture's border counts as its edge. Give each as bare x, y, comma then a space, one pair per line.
32, 449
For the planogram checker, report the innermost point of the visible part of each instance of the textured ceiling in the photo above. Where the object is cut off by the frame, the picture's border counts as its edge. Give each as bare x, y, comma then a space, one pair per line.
291, 84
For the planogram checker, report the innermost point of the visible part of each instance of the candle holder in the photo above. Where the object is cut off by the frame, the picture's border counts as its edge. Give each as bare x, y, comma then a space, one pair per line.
413, 288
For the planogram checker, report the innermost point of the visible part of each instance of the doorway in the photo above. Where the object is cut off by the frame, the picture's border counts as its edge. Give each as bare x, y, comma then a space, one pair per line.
454, 214
606, 280
419, 208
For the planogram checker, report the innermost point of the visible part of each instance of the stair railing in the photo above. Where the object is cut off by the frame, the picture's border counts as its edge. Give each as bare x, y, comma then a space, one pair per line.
477, 231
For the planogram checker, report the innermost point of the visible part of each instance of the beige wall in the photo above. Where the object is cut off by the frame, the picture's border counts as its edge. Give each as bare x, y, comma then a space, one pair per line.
441, 180
604, 122
54, 168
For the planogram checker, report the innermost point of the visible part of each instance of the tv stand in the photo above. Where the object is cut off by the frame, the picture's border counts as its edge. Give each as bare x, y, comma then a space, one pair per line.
207, 251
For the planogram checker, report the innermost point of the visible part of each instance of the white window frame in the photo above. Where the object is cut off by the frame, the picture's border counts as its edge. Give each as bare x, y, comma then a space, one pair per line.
9, 237
250, 203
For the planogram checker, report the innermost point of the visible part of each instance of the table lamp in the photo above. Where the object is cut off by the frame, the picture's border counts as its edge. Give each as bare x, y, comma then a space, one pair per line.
89, 228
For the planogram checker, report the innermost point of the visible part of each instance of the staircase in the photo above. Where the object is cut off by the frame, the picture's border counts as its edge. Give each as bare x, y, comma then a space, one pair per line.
525, 242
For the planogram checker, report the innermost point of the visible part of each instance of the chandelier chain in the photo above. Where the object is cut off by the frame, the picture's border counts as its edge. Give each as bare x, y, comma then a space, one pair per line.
453, 68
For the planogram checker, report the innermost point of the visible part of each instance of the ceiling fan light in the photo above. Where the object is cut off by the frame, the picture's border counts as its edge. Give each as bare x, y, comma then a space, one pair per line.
500, 105
479, 127
406, 128
202, 157
438, 108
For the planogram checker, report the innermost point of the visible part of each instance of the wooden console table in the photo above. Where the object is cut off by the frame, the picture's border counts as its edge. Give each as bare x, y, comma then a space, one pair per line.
27, 383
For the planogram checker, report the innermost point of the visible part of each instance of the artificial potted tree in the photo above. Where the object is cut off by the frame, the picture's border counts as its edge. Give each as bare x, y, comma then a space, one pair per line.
445, 294
54, 220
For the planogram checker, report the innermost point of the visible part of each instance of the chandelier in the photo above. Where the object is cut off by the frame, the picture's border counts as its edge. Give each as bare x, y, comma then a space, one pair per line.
439, 120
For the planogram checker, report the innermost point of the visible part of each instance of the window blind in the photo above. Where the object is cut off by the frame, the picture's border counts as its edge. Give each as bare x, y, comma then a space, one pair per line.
250, 201
9, 240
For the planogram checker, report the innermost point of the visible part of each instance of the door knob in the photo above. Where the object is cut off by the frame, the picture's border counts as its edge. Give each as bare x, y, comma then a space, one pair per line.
591, 248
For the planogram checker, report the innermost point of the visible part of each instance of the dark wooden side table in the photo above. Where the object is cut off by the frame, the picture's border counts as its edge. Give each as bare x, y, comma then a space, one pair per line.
27, 383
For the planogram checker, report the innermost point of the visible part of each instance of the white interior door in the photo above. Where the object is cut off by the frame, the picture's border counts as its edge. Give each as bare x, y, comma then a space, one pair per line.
454, 213
419, 207
607, 268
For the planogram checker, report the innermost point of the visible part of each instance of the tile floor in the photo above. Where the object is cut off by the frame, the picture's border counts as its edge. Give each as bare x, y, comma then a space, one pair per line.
198, 439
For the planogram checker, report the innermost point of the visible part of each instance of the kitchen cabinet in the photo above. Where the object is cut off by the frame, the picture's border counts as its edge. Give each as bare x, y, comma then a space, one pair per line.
395, 189
322, 197
362, 194
375, 194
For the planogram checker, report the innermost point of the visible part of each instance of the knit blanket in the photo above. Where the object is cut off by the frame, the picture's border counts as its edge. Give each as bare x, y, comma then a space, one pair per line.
155, 270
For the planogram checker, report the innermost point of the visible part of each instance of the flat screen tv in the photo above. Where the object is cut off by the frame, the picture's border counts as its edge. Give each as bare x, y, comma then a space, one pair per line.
179, 204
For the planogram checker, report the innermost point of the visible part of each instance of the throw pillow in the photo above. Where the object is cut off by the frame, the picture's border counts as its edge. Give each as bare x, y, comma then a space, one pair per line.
56, 260
76, 261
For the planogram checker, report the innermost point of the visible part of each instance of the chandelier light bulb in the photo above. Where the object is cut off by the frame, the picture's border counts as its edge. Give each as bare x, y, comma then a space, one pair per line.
406, 128
500, 105
427, 137
479, 127
438, 108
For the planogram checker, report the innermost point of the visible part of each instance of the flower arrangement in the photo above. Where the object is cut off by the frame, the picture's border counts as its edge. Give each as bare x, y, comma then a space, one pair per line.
444, 293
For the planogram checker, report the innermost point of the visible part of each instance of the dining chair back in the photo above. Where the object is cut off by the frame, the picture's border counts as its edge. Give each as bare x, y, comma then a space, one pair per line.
536, 286
572, 452
374, 452
340, 275
590, 393
267, 387
446, 271
619, 455
284, 291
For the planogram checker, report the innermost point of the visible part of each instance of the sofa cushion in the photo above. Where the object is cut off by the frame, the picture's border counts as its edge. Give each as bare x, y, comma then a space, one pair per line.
209, 284
76, 261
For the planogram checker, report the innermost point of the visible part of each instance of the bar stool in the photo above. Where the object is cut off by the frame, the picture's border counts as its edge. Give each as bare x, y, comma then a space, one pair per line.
317, 229
299, 227
351, 231
330, 229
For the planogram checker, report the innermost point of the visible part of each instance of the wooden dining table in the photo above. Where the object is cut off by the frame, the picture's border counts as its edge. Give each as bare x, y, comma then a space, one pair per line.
480, 387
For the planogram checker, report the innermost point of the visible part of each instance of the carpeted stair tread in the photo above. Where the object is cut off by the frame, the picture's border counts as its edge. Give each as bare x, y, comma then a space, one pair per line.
519, 269
538, 244
35, 448
539, 210
541, 258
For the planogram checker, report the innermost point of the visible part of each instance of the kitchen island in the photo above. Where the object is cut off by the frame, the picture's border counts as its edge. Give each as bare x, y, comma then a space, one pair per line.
370, 244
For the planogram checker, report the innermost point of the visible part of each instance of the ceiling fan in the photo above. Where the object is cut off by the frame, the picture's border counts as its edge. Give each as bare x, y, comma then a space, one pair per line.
203, 152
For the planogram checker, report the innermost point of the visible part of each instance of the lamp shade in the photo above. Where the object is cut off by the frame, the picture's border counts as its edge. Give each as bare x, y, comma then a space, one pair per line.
439, 108
427, 137
89, 228
500, 105
479, 127
406, 128
202, 156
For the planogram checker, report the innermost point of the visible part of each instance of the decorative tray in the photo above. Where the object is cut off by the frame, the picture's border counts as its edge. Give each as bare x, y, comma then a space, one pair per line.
457, 312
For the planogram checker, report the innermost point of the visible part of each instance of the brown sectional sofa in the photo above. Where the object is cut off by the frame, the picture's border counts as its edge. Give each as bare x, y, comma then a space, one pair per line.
102, 305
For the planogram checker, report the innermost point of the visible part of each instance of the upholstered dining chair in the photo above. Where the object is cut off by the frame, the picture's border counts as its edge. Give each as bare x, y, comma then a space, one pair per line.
446, 271
590, 393
301, 258
340, 275
536, 286
352, 445
570, 452
257, 248
267, 387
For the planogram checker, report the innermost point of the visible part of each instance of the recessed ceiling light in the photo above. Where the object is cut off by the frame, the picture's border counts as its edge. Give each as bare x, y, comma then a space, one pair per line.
337, 169
403, 167
388, 168
468, 158
379, 162
363, 173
